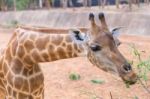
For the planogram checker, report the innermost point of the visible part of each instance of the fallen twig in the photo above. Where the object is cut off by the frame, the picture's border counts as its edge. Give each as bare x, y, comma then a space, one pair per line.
111, 95
144, 86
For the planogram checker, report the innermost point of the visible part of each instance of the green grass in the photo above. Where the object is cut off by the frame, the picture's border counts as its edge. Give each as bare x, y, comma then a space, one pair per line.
143, 66
74, 76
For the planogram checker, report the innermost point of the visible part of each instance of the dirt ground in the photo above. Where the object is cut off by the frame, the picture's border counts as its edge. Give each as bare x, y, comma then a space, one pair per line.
59, 86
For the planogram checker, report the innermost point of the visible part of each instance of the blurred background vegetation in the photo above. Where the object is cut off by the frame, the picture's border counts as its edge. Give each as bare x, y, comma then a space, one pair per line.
9, 5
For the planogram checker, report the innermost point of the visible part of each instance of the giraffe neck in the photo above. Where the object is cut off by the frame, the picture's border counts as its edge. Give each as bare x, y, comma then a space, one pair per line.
34, 47
19, 69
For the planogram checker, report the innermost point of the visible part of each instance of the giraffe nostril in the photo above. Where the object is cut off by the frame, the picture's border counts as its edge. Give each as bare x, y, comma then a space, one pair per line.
127, 67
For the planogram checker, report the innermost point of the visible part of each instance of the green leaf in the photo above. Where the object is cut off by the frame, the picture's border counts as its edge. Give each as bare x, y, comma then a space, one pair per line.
97, 81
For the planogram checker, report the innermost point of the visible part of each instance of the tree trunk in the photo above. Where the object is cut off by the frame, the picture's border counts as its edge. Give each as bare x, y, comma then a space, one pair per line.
89, 3
138, 2
99, 3
103, 2
117, 3
41, 3
52, 3
146, 1
1, 5
130, 4
14, 1
64, 3
47, 4
85, 4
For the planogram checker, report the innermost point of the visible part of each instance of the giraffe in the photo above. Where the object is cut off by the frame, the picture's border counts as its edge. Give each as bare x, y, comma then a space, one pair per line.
20, 74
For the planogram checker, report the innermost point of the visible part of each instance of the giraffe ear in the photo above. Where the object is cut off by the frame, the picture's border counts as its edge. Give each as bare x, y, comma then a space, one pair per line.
77, 36
116, 33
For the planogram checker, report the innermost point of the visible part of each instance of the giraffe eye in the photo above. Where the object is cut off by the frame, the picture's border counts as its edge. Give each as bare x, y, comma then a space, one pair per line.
95, 48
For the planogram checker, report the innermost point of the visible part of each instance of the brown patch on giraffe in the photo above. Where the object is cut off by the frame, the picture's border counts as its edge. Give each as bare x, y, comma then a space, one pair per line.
69, 50
51, 50
16, 66
18, 82
64, 44
41, 43
38, 92
25, 86
1, 74
35, 82
27, 60
53, 56
24, 96
74, 55
4, 81
25, 72
9, 89
21, 51
28, 44
69, 47
10, 77
2, 84
45, 56
14, 93
1, 62
75, 47
5, 68
8, 56
61, 53
57, 40
36, 56
36, 68
31, 72
14, 46
41, 90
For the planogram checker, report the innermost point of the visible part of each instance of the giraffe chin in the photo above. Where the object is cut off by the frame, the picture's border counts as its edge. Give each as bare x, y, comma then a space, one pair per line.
130, 78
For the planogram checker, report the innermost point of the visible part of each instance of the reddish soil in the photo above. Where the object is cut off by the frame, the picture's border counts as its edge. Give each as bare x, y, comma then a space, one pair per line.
59, 86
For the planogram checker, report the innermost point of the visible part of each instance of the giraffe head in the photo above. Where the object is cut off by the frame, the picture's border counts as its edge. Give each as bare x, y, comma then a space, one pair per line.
101, 47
